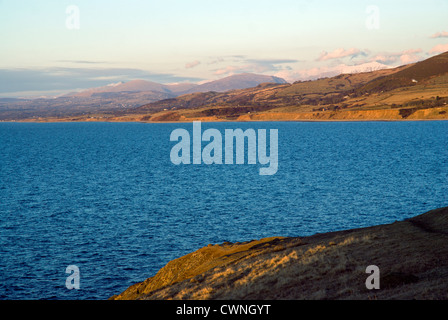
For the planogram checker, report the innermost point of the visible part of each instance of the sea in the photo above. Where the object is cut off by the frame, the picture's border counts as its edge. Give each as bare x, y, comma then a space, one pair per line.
107, 199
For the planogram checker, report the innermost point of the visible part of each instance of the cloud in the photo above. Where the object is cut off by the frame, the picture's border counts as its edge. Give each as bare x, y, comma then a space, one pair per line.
192, 64
271, 61
440, 48
442, 34
329, 71
256, 66
229, 70
81, 61
402, 57
340, 53
227, 59
70, 79
270, 65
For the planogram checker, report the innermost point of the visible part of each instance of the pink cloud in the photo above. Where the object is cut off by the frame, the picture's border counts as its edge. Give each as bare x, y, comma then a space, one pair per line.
440, 48
192, 64
328, 71
410, 56
442, 34
229, 70
339, 53
403, 57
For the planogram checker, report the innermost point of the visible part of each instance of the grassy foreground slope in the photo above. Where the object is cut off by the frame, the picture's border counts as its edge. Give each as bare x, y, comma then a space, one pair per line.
412, 256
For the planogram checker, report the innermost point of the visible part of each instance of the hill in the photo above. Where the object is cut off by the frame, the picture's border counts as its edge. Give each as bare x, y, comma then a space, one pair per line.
412, 257
267, 96
415, 91
237, 81
421, 72
135, 86
117, 98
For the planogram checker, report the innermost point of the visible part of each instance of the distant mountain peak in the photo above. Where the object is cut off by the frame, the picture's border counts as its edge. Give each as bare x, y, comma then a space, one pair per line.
236, 81
232, 82
365, 67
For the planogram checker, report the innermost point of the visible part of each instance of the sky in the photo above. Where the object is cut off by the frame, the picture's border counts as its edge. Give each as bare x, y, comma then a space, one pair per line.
49, 47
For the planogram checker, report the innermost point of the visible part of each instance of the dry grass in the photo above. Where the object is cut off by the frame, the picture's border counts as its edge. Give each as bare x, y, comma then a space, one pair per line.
412, 256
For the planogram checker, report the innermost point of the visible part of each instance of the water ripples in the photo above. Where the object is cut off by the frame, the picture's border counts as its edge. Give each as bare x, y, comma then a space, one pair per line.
105, 196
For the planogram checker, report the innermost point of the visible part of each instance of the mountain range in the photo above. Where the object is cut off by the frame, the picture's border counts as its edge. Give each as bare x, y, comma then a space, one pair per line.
135, 86
238, 81
413, 91
121, 96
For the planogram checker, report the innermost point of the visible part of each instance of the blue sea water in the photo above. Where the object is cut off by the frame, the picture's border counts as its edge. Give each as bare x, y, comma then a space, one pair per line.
106, 197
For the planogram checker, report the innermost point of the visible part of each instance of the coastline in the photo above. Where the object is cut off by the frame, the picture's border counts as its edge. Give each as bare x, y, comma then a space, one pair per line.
410, 254
190, 115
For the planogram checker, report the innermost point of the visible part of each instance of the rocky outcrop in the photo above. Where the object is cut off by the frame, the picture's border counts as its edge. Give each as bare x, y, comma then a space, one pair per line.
412, 257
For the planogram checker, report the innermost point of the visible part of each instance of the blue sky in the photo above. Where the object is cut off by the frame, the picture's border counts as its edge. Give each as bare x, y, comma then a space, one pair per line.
198, 40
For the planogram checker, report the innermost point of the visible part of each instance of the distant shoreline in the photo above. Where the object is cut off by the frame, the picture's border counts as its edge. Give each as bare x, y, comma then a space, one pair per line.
222, 121
191, 115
